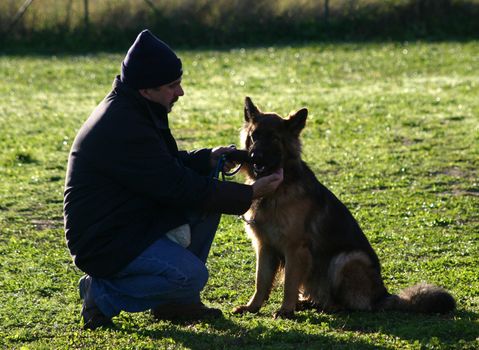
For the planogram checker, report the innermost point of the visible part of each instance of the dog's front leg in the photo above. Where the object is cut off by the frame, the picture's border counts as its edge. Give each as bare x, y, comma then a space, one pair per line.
298, 263
267, 264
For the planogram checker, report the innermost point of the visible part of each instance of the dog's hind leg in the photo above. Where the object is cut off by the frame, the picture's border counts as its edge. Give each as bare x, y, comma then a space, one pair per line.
305, 304
356, 282
267, 264
316, 291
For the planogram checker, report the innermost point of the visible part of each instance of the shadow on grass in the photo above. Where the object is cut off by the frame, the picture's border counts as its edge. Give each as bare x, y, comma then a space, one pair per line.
424, 329
309, 330
225, 333
228, 334
22, 50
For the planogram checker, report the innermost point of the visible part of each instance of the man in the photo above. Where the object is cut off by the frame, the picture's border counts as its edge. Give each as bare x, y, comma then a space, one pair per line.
140, 216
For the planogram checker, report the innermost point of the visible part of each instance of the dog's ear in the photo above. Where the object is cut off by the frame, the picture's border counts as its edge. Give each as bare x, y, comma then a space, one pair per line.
250, 110
297, 121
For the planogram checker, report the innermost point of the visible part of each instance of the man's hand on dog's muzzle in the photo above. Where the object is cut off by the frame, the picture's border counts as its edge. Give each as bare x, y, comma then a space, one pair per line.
268, 184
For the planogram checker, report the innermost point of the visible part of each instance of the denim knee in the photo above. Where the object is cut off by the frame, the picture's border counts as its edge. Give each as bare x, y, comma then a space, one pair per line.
198, 277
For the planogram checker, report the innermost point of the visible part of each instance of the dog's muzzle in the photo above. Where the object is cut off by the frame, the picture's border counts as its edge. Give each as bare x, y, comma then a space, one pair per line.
258, 163
263, 164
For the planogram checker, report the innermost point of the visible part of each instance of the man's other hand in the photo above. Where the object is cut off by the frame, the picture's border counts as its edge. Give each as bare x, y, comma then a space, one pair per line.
268, 184
216, 154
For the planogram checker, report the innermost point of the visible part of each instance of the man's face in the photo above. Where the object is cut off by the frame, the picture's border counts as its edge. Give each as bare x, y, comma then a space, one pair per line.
166, 95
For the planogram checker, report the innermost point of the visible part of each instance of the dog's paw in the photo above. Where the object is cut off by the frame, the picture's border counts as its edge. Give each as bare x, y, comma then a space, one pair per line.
305, 304
240, 309
244, 309
329, 308
281, 313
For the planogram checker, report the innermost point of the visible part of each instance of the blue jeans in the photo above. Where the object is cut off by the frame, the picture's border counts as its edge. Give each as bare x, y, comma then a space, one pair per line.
164, 273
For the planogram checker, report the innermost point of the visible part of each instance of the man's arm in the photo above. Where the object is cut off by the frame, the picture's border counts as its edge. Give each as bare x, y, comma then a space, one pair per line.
198, 160
205, 160
137, 159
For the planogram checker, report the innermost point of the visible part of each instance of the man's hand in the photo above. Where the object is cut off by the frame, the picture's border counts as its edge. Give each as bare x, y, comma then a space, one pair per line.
268, 184
216, 154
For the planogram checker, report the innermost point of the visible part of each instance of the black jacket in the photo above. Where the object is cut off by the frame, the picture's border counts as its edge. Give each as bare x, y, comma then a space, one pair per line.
127, 183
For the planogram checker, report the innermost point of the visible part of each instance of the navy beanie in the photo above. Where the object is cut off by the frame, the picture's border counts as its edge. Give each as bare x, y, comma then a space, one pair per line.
150, 63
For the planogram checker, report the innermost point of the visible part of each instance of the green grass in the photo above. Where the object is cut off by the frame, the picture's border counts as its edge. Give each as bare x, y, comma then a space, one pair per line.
393, 131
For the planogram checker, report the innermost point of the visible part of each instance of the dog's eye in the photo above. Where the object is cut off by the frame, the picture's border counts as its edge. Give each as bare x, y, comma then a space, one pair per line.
275, 138
264, 136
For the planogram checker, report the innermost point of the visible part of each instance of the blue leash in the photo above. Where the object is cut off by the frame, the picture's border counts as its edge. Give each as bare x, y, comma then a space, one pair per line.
216, 174
219, 169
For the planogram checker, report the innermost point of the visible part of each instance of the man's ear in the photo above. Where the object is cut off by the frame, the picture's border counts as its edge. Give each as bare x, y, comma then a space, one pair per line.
251, 112
145, 93
297, 121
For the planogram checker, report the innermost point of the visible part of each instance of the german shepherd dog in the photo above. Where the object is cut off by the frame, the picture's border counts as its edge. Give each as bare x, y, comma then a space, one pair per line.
328, 262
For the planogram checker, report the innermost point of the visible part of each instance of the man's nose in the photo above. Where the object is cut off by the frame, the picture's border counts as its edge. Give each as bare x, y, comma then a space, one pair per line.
180, 91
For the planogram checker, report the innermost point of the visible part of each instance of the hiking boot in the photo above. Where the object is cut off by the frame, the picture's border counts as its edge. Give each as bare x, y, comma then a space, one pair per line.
185, 312
91, 314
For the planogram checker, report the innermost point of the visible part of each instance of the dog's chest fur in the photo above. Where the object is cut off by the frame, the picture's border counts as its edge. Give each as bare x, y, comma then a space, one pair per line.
279, 220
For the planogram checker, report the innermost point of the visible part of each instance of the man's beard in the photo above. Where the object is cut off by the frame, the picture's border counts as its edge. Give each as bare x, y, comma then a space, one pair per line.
172, 104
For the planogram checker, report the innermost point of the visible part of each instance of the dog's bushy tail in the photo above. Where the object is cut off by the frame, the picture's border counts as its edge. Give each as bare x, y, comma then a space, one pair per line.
421, 298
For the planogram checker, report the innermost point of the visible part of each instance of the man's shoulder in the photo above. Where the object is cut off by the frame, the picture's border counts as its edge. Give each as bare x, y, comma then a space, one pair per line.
113, 122
117, 103
118, 111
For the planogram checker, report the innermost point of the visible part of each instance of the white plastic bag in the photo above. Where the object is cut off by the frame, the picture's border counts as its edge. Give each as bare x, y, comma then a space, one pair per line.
180, 235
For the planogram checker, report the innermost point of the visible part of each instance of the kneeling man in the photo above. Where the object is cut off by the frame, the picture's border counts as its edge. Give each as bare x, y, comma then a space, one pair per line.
141, 215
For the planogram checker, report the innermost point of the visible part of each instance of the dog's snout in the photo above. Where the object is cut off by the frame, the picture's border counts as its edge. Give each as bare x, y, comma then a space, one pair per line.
256, 156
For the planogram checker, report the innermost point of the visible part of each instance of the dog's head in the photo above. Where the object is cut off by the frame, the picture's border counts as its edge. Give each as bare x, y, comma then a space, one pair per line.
271, 140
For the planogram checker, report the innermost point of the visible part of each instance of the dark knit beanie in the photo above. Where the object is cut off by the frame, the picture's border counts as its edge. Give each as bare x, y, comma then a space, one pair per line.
150, 63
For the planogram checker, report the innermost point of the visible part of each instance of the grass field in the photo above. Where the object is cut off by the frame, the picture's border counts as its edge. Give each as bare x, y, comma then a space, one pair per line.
393, 131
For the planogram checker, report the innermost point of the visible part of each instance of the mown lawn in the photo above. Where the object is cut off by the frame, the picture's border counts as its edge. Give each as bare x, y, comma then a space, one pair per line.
393, 131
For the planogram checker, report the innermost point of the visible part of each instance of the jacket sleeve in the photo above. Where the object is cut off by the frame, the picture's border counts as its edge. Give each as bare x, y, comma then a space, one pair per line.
198, 160
137, 159
229, 198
